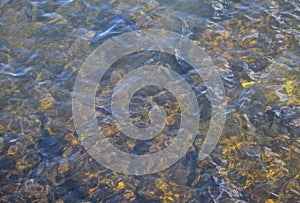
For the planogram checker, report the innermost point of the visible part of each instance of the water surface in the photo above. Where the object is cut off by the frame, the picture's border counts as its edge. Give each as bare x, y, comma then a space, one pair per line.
254, 43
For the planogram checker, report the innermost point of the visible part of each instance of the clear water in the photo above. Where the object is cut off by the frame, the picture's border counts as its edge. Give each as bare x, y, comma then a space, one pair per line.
256, 47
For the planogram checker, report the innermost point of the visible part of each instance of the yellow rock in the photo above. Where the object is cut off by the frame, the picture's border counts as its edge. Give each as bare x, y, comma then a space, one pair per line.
120, 186
63, 167
246, 84
20, 167
219, 37
176, 196
109, 182
214, 43
90, 34
91, 190
162, 186
289, 87
74, 142
129, 195
231, 165
47, 102
1, 144
12, 150
269, 201
170, 199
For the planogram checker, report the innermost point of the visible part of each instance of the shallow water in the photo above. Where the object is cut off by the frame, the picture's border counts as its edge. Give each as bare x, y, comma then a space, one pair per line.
255, 44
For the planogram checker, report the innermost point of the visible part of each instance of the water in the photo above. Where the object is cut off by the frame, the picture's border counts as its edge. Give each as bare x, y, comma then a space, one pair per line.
256, 47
